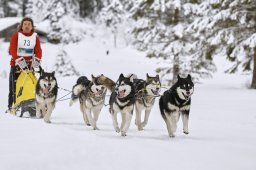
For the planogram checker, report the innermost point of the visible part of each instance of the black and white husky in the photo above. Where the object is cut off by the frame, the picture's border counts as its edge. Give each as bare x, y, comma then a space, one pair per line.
46, 94
122, 100
176, 101
91, 95
146, 92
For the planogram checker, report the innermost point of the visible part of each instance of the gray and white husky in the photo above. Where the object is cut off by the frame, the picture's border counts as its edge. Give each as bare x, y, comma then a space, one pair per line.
46, 94
91, 95
122, 100
176, 101
146, 92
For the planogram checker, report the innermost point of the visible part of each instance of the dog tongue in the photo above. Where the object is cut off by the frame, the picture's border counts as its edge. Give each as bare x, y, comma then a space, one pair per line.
46, 90
121, 94
155, 92
99, 93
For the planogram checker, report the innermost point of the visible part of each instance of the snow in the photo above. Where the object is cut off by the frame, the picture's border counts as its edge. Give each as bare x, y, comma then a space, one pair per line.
222, 122
43, 26
8, 21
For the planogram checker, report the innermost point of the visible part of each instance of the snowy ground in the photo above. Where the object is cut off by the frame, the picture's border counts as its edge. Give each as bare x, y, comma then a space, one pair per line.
222, 124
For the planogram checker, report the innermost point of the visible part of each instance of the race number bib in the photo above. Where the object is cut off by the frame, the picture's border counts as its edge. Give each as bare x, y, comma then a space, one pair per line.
26, 44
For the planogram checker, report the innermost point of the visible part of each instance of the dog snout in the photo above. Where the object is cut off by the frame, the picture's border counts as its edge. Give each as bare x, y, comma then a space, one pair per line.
188, 92
99, 90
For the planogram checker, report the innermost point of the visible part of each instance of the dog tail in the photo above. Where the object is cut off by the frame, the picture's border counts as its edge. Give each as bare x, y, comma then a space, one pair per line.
161, 107
81, 85
110, 84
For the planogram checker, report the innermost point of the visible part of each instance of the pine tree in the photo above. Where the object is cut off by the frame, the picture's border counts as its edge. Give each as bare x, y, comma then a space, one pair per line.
61, 14
112, 17
229, 28
160, 32
90, 9
33, 6
12, 8
127, 4
63, 66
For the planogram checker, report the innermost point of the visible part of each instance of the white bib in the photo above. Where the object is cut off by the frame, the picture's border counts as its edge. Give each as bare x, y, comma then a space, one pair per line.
26, 44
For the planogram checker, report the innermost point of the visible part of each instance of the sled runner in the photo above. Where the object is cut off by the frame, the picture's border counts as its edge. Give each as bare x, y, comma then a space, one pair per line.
25, 87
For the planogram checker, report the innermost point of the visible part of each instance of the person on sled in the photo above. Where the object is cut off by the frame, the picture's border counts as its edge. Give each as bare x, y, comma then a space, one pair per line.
24, 45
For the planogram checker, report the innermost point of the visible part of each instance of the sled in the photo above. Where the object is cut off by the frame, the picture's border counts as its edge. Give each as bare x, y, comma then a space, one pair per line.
25, 92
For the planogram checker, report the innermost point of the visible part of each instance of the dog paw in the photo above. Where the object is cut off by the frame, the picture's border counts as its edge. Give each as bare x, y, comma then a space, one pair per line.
117, 130
39, 116
71, 103
123, 134
47, 120
186, 132
96, 128
143, 124
171, 135
140, 128
88, 124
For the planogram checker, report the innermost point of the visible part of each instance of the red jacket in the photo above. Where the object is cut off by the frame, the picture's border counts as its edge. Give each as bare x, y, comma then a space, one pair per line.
14, 44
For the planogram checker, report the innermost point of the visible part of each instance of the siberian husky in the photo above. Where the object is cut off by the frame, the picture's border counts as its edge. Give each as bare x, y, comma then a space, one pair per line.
122, 100
176, 101
146, 92
91, 95
46, 94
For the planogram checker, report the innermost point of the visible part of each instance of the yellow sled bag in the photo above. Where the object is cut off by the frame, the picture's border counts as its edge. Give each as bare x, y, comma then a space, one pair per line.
25, 90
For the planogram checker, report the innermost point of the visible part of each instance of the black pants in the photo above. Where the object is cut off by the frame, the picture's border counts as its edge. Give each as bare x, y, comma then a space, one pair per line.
12, 86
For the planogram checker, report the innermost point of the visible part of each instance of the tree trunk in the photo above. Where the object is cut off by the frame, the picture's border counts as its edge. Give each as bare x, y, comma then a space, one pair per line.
24, 7
115, 40
5, 8
176, 68
253, 85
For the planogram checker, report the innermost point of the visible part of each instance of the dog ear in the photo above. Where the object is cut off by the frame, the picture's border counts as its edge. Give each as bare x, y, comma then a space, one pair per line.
53, 73
131, 78
42, 72
189, 76
148, 76
121, 76
178, 77
93, 77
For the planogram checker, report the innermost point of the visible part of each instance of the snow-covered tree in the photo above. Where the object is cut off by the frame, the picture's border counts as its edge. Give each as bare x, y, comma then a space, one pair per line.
160, 32
88, 8
33, 6
112, 17
228, 28
61, 14
13, 8
63, 66
127, 4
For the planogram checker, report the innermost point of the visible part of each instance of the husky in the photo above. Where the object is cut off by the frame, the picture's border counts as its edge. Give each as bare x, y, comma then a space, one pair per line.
91, 95
146, 92
46, 94
176, 101
122, 100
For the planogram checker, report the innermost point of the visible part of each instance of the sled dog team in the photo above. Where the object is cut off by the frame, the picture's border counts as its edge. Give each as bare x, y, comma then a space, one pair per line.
127, 93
